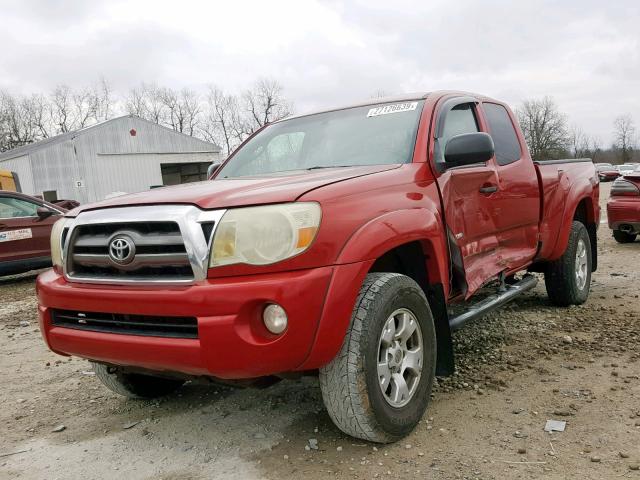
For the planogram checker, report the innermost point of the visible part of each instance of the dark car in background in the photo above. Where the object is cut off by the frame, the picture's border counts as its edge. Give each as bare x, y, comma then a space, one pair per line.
25, 230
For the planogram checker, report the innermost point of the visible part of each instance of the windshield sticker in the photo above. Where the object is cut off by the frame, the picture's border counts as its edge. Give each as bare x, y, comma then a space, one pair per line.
395, 108
13, 235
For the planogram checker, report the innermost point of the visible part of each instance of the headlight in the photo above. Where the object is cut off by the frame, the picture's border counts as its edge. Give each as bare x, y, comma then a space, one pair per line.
56, 242
264, 235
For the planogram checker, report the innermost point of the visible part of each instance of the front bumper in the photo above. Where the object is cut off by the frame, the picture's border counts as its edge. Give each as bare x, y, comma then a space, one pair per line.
624, 211
232, 342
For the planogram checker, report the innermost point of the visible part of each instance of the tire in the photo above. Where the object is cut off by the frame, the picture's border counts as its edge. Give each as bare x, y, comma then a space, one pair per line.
135, 385
565, 286
350, 383
624, 237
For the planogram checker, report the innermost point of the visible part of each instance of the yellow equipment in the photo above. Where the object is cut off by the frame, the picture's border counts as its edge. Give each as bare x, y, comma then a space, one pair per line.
9, 181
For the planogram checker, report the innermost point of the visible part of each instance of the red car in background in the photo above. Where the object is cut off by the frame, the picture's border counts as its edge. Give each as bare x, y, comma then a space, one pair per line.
623, 208
607, 172
25, 230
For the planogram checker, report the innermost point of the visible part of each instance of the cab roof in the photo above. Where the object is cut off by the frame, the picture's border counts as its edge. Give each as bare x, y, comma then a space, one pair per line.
405, 97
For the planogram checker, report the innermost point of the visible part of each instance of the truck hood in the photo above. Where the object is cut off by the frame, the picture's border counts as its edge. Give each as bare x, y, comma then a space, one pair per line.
235, 192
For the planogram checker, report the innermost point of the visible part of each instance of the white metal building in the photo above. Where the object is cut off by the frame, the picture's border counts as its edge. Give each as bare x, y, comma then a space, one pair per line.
124, 154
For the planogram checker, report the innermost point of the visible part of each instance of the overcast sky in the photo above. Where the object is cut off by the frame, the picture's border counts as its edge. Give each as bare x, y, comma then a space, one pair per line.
584, 53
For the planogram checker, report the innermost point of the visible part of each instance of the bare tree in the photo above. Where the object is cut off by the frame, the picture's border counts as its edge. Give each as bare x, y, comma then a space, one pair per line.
148, 101
595, 148
71, 110
265, 103
380, 93
40, 115
190, 108
225, 119
625, 136
60, 108
544, 128
104, 100
135, 102
182, 109
579, 142
22, 120
223, 123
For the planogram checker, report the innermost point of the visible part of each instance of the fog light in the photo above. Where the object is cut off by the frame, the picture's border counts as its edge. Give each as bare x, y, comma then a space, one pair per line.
275, 318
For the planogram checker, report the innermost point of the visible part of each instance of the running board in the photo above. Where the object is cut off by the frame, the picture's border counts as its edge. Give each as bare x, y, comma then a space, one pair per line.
493, 302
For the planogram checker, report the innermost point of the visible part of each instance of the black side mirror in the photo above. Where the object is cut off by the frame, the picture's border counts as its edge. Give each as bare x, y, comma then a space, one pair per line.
43, 212
468, 148
213, 168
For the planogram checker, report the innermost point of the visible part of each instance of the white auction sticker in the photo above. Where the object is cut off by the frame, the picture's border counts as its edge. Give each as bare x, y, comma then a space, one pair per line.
12, 235
395, 108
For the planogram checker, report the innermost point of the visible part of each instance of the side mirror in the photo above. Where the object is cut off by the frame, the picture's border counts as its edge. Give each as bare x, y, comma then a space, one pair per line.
468, 148
213, 168
43, 212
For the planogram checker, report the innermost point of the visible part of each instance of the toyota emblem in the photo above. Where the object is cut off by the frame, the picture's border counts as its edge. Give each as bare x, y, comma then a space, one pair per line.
122, 250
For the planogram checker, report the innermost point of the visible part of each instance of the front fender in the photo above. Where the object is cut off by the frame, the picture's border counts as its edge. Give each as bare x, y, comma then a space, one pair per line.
393, 229
356, 258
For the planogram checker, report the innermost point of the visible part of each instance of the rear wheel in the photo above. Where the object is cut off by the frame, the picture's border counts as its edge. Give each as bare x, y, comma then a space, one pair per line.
135, 385
624, 237
568, 279
379, 384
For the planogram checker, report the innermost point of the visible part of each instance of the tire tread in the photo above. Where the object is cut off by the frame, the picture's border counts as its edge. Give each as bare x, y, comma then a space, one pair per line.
343, 395
559, 274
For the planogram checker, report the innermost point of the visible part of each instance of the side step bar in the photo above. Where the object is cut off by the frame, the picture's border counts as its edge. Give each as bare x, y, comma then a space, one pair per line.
493, 302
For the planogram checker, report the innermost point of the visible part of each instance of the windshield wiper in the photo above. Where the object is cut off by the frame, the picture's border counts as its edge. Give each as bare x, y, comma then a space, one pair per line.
318, 167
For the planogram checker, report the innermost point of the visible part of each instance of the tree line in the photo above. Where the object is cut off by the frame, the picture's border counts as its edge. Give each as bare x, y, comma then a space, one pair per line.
549, 136
228, 118
223, 118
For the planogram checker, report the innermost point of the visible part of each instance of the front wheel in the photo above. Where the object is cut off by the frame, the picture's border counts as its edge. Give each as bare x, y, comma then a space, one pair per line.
135, 385
568, 279
379, 384
624, 237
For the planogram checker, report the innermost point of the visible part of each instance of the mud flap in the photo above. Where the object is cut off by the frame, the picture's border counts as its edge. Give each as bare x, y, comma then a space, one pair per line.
445, 361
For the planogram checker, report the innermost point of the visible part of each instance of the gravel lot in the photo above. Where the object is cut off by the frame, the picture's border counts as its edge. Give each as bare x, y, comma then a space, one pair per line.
517, 368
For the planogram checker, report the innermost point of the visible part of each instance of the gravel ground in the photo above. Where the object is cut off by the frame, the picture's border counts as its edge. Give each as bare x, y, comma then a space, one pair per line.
517, 368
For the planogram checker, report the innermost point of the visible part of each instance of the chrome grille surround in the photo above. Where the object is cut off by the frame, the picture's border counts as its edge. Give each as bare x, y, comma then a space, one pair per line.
189, 220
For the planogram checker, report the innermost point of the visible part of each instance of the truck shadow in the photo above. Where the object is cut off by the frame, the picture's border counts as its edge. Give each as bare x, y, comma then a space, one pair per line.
203, 417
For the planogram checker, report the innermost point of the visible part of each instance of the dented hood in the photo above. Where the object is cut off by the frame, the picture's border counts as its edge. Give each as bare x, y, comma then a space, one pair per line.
235, 192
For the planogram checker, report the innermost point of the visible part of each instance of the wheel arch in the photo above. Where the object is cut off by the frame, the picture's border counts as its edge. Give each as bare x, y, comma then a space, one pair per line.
409, 242
581, 205
411, 259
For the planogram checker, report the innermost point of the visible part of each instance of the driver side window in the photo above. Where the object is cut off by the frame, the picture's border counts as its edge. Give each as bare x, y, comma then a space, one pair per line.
460, 119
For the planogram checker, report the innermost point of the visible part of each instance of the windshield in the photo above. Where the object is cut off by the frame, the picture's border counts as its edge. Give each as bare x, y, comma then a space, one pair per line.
371, 135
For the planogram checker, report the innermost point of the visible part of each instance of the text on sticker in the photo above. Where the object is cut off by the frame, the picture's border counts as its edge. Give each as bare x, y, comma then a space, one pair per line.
12, 235
395, 108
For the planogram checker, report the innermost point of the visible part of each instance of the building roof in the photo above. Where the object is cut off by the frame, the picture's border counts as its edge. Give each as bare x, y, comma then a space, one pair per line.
47, 142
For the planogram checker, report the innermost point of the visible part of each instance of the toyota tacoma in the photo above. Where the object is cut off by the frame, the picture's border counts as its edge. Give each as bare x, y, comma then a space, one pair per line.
331, 243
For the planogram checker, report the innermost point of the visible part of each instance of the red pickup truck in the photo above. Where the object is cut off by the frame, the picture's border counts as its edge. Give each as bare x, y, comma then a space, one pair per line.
330, 243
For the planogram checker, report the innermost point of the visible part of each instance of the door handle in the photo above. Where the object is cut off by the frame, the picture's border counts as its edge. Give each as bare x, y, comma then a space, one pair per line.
488, 189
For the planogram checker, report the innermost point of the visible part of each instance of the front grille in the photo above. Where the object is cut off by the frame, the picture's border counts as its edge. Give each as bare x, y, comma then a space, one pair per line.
144, 325
160, 252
